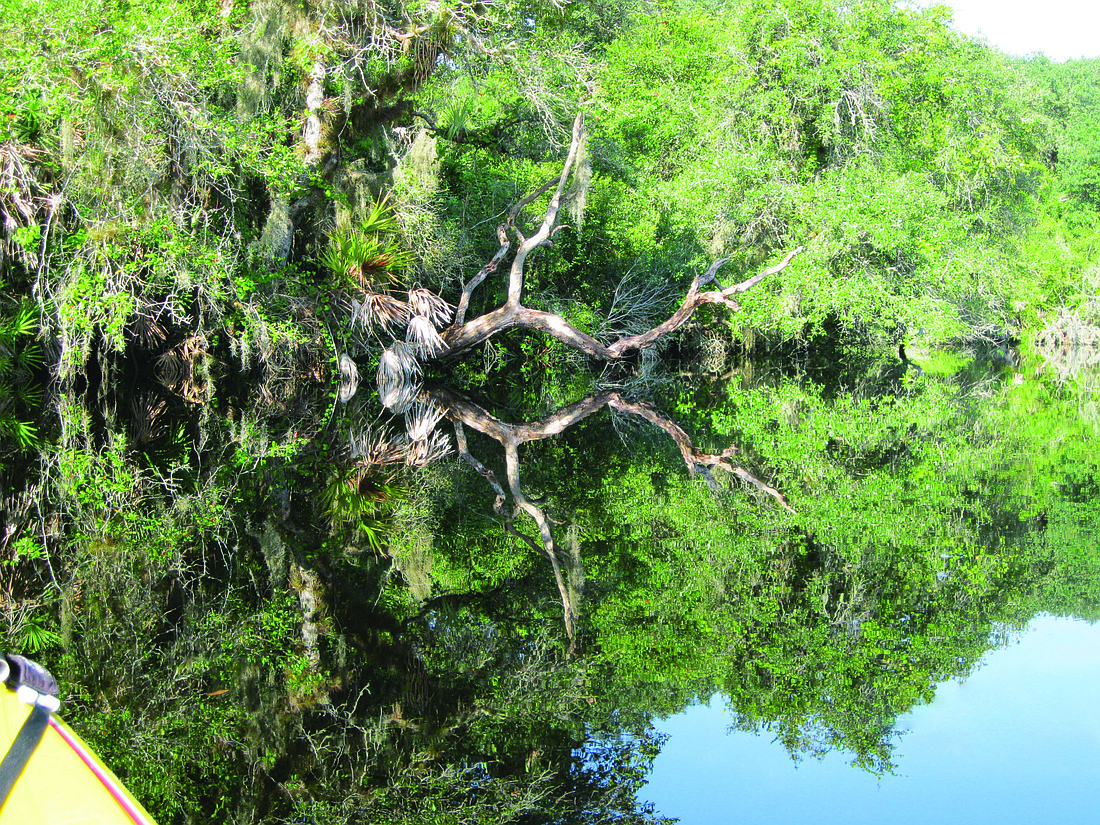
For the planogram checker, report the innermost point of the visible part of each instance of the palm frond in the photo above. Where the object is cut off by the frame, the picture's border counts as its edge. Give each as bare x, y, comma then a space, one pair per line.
349, 378
383, 311
369, 255
381, 219
424, 337
424, 452
421, 418
397, 377
21, 432
376, 448
426, 303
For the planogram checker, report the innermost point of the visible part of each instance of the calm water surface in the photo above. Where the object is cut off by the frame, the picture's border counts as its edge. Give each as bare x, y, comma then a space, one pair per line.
1017, 742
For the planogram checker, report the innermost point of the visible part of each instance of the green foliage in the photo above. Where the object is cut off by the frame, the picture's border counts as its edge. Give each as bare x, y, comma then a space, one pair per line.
369, 257
1073, 102
20, 358
867, 135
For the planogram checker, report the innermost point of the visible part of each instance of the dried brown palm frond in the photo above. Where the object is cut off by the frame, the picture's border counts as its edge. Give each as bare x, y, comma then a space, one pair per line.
398, 397
421, 418
398, 377
424, 337
376, 447
359, 442
382, 310
426, 303
398, 359
178, 369
424, 452
358, 313
147, 329
170, 369
349, 378
147, 412
385, 452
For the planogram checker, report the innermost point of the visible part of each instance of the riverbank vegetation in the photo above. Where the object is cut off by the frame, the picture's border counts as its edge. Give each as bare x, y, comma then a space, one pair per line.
265, 377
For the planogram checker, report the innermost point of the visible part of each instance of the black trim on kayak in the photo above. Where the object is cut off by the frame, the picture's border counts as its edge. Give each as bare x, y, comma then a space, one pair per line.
30, 734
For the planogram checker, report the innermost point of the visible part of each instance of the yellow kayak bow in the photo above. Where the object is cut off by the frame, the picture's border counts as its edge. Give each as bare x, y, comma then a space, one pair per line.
47, 773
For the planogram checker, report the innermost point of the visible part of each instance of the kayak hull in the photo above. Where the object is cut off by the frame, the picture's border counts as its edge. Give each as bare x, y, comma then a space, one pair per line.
64, 782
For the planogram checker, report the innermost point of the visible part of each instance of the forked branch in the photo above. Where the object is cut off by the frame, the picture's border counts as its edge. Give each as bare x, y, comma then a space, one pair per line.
464, 413
463, 335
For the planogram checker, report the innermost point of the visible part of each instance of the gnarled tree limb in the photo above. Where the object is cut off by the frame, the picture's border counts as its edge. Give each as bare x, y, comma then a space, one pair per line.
696, 460
464, 413
510, 436
463, 335
515, 276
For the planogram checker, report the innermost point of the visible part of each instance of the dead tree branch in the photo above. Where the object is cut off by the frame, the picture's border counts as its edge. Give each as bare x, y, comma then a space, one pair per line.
463, 335
696, 460
510, 436
464, 413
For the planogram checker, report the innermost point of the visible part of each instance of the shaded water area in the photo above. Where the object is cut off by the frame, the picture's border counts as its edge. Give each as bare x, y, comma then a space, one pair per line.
300, 606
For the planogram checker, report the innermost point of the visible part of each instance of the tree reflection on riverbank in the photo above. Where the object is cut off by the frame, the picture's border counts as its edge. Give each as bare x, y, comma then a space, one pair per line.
226, 622
1025, 720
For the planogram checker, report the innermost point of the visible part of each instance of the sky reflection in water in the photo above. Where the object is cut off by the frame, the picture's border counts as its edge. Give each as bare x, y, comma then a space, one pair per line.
1017, 742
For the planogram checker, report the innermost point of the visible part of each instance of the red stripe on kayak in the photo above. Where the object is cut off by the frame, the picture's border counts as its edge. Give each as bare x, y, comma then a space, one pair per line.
108, 782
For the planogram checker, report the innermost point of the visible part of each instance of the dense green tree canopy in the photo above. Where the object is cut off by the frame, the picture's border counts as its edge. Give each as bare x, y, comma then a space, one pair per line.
218, 220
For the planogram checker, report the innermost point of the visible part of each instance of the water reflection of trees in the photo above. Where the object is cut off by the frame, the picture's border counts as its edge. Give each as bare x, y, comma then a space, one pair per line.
227, 553
464, 413
347, 695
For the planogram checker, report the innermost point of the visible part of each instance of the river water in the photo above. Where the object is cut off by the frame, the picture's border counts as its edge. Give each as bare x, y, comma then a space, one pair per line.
1016, 742
303, 607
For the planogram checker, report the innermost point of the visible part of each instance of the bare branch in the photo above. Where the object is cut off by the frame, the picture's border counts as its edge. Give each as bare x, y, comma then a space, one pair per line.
696, 460
522, 503
505, 245
462, 335
518, 206
511, 459
510, 436
515, 278
481, 469
744, 286
693, 301
461, 410
483, 273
